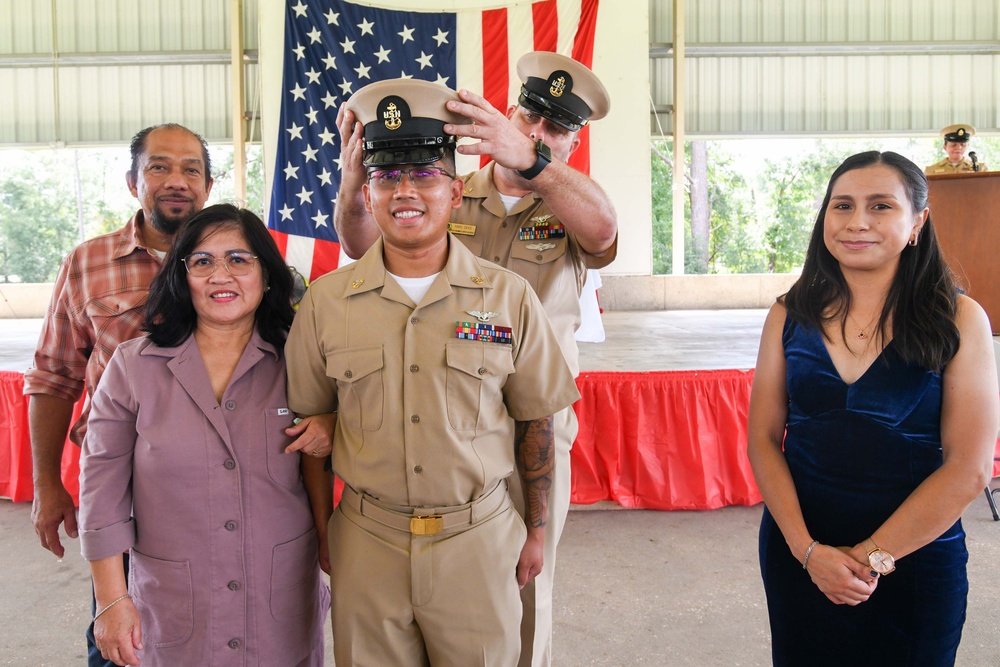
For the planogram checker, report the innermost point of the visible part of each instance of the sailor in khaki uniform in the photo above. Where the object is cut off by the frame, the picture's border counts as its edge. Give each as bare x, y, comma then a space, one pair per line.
956, 145
531, 212
445, 373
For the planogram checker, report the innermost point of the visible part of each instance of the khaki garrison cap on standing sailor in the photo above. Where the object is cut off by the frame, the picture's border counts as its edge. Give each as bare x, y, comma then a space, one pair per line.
561, 89
404, 121
958, 132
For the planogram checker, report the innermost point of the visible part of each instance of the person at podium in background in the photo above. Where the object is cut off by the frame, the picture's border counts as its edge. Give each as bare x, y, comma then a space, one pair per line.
956, 145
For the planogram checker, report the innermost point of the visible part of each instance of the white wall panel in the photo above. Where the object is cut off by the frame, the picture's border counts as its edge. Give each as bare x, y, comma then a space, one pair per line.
831, 67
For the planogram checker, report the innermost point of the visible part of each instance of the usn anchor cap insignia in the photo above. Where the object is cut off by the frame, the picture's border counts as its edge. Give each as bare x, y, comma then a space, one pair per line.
481, 316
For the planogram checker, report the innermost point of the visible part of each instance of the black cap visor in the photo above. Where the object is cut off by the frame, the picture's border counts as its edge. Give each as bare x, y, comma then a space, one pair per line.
558, 114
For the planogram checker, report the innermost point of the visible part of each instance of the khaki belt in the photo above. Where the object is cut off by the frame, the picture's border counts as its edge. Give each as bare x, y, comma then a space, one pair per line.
426, 520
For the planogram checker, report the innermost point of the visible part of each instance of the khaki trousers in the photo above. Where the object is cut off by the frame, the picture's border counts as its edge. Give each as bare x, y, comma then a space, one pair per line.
536, 597
442, 600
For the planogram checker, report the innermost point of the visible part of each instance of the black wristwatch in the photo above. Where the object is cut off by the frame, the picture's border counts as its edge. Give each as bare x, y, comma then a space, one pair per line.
543, 156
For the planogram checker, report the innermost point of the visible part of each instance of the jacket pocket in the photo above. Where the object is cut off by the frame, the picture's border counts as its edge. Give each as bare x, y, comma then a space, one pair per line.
281, 467
477, 372
360, 394
295, 578
163, 594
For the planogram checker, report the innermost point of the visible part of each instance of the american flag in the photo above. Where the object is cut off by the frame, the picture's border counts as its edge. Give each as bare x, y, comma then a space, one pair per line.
333, 48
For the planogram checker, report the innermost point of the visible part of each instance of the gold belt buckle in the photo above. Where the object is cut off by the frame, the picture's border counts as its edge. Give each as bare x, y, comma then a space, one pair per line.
427, 525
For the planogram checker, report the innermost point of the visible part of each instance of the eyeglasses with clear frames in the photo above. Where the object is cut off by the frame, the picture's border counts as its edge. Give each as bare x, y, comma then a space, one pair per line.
202, 265
420, 177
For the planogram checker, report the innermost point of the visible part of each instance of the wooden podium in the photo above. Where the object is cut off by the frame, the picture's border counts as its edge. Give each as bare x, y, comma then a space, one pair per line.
965, 209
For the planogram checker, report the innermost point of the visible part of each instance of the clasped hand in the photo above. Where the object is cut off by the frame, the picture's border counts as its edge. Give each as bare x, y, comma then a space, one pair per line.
840, 576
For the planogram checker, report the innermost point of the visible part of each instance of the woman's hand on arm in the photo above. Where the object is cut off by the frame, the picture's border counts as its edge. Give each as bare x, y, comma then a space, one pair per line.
313, 435
117, 626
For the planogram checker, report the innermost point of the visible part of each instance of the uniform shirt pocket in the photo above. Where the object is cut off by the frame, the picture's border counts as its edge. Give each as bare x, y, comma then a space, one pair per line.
163, 594
477, 372
360, 392
281, 467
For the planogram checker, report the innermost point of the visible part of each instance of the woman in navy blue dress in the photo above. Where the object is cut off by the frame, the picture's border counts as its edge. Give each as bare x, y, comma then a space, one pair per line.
873, 419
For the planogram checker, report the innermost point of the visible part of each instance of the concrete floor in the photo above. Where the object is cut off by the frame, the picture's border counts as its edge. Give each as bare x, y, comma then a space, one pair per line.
633, 587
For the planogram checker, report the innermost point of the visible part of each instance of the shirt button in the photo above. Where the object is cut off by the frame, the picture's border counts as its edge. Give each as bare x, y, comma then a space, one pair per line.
414, 368
415, 419
538, 257
418, 468
234, 643
348, 374
503, 224
482, 371
413, 320
230, 464
230, 405
496, 260
230, 526
234, 585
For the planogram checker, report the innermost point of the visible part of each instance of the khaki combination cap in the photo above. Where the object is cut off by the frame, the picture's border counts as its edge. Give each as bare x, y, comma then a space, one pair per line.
958, 132
404, 121
561, 89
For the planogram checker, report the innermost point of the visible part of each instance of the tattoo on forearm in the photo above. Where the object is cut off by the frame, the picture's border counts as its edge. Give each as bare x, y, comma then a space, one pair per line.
534, 451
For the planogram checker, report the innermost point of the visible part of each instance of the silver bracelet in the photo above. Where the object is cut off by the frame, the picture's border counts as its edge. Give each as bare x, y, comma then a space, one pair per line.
113, 603
812, 546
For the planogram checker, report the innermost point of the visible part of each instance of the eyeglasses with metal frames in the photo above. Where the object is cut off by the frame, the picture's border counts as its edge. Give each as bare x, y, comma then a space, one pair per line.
420, 177
202, 264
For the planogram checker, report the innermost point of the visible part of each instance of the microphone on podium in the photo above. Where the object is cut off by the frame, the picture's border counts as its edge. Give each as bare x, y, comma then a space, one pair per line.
975, 161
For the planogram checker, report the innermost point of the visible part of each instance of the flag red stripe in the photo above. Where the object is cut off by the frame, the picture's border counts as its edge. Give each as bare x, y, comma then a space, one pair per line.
583, 51
495, 79
326, 256
280, 239
545, 19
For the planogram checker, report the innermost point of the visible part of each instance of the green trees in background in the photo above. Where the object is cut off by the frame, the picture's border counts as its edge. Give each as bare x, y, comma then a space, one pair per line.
50, 200
760, 212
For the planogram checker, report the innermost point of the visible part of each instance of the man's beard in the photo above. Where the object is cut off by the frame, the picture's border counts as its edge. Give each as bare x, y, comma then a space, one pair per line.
165, 225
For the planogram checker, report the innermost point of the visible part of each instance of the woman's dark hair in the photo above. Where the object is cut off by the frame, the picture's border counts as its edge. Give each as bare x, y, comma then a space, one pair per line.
170, 314
921, 301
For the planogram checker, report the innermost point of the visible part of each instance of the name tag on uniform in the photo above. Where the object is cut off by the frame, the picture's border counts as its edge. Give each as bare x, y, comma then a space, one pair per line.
282, 411
459, 228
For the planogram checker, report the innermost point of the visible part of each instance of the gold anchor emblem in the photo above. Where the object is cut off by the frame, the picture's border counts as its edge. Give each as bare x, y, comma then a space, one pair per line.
558, 87
393, 118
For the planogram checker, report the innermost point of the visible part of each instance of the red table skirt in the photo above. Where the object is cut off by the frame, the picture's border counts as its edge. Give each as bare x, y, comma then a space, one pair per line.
662, 440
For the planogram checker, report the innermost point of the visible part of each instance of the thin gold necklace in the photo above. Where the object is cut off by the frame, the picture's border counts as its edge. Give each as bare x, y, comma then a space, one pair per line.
862, 334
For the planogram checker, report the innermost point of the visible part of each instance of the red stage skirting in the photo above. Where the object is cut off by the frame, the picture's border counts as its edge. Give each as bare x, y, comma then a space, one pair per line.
663, 440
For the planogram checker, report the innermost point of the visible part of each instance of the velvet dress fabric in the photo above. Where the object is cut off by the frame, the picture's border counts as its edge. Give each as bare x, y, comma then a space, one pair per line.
856, 451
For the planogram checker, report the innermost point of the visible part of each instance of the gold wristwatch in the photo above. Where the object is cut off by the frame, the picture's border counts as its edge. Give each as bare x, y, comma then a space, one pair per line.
880, 560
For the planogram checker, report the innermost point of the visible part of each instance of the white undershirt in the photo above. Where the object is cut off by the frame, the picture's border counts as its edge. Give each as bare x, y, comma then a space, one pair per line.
162, 254
415, 288
509, 201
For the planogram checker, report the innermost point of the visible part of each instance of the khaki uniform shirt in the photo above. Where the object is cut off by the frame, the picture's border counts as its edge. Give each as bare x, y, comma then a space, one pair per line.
945, 167
533, 243
424, 414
